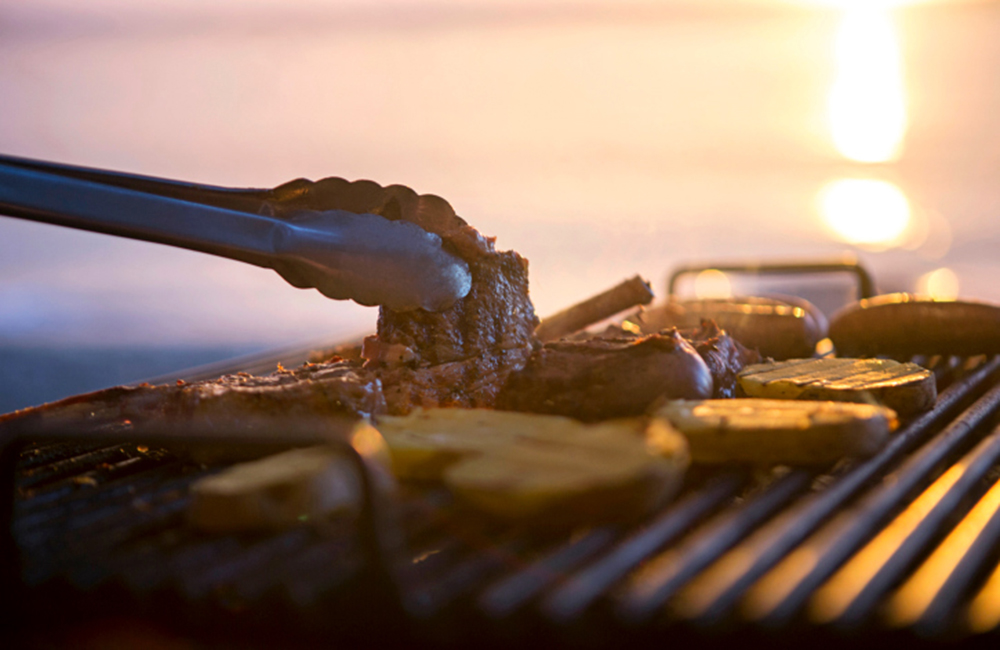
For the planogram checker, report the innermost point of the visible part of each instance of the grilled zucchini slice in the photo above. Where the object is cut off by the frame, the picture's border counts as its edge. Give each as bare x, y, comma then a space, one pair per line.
904, 387
746, 430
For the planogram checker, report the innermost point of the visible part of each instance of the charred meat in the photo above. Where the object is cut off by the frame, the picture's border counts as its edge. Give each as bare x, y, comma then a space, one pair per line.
605, 378
724, 355
337, 387
462, 356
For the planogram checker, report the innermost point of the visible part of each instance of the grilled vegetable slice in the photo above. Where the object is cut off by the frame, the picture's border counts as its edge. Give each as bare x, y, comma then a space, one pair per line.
423, 443
904, 387
902, 325
541, 467
281, 490
750, 430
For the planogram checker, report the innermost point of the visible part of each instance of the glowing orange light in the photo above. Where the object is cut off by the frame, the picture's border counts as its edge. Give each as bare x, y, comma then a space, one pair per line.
834, 597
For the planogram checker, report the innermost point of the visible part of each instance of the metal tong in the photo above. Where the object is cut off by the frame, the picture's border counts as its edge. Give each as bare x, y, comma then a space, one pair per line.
345, 255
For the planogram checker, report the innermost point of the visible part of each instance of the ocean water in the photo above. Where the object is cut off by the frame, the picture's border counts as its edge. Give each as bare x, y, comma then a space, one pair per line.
35, 375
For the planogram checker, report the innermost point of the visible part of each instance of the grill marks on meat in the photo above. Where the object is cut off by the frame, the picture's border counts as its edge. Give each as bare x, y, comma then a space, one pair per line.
605, 378
461, 356
337, 387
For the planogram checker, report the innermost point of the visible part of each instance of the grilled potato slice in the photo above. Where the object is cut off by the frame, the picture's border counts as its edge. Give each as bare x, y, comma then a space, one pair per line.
542, 467
425, 442
746, 430
904, 387
280, 490
289, 488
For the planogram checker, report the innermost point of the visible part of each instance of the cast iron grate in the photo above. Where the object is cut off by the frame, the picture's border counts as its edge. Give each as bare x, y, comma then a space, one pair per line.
898, 546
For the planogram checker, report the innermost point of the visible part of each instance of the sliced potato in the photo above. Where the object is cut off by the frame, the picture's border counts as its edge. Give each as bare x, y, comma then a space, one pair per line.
904, 387
531, 466
425, 442
280, 490
747, 430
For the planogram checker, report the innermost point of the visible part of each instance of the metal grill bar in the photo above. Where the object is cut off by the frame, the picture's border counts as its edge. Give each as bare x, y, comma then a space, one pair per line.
712, 596
931, 598
851, 595
579, 592
783, 592
513, 592
650, 588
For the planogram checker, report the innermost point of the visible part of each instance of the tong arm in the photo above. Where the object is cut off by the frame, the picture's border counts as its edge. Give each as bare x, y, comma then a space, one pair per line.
364, 257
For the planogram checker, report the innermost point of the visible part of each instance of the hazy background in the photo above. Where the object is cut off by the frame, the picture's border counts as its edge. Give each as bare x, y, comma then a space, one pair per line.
599, 139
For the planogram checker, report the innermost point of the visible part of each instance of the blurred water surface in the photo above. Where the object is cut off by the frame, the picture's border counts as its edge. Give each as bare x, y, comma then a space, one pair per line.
599, 139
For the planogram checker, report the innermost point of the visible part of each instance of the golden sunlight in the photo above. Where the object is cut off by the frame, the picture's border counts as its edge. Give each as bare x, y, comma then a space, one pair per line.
867, 104
866, 212
712, 284
941, 284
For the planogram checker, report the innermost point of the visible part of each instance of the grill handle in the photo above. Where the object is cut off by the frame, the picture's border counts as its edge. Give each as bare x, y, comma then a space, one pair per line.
849, 265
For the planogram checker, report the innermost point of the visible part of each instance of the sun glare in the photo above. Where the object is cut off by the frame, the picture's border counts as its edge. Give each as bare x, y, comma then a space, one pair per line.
865, 212
941, 284
712, 284
867, 105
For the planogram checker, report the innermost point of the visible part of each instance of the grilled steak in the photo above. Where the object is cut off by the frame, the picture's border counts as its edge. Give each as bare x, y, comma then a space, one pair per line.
461, 356
312, 389
604, 378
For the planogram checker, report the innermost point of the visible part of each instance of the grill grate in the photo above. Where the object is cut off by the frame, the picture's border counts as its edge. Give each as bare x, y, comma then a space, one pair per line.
903, 543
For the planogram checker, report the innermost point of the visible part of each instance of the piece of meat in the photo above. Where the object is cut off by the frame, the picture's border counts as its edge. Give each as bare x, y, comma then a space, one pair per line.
337, 387
724, 355
461, 356
606, 378
458, 357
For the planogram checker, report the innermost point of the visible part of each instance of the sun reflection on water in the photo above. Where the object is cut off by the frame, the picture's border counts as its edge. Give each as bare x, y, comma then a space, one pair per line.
867, 102
865, 212
867, 111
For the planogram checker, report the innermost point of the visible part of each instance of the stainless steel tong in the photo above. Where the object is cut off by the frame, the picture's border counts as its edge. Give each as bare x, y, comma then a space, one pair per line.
367, 258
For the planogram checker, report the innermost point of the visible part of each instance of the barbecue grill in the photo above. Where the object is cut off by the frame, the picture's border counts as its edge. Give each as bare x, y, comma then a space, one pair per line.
897, 547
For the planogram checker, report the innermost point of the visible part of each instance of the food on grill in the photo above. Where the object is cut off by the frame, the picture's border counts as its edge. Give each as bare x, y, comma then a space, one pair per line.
902, 325
461, 356
904, 387
630, 293
780, 329
724, 356
607, 378
747, 430
231, 401
457, 357
424, 442
285, 489
525, 466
